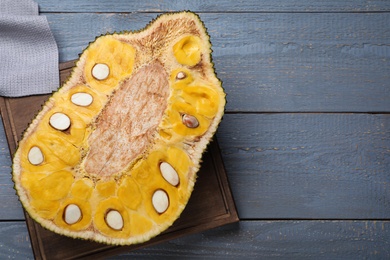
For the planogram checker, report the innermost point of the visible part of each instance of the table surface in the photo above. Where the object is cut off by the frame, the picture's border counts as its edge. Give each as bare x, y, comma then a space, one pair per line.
306, 134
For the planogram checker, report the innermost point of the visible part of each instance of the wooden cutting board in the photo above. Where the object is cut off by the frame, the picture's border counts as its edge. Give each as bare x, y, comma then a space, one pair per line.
211, 204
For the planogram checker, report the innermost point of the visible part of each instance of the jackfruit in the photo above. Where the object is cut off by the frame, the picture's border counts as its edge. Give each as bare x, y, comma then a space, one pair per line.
113, 155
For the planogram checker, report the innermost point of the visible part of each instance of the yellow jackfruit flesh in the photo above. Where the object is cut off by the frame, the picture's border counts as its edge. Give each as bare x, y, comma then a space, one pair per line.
113, 155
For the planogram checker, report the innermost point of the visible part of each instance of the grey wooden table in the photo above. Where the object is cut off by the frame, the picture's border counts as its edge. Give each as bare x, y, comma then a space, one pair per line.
306, 135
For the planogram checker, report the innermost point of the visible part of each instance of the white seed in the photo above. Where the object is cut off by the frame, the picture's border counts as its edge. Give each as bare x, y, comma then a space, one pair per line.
169, 173
190, 121
81, 99
60, 121
72, 214
160, 201
35, 156
181, 75
114, 220
100, 71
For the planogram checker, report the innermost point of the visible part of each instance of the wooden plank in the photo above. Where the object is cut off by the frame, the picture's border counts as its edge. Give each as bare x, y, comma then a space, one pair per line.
310, 166
9, 204
214, 6
249, 240
281, 239
323, 62
14, 241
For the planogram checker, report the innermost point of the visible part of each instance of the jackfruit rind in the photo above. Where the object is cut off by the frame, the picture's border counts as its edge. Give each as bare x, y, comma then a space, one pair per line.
113, 154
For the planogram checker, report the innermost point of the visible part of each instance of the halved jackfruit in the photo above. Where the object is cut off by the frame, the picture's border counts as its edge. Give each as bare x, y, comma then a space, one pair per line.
113, 155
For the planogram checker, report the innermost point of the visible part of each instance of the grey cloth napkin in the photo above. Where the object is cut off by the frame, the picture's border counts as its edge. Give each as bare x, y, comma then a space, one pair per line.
28, 51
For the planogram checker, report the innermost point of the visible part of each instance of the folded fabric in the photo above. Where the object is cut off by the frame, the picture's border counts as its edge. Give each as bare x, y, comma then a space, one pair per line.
28, 51
18, 7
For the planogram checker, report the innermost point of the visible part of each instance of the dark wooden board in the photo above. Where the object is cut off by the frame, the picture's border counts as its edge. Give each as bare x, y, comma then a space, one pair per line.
214, 6
249, 240
308, 166
211, 204
274, 62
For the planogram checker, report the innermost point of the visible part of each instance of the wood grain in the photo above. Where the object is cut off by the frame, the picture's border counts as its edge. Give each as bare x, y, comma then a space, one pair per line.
9, 204
282, 239
14, 241
294, 62
249, 240
308, 166
214, 6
